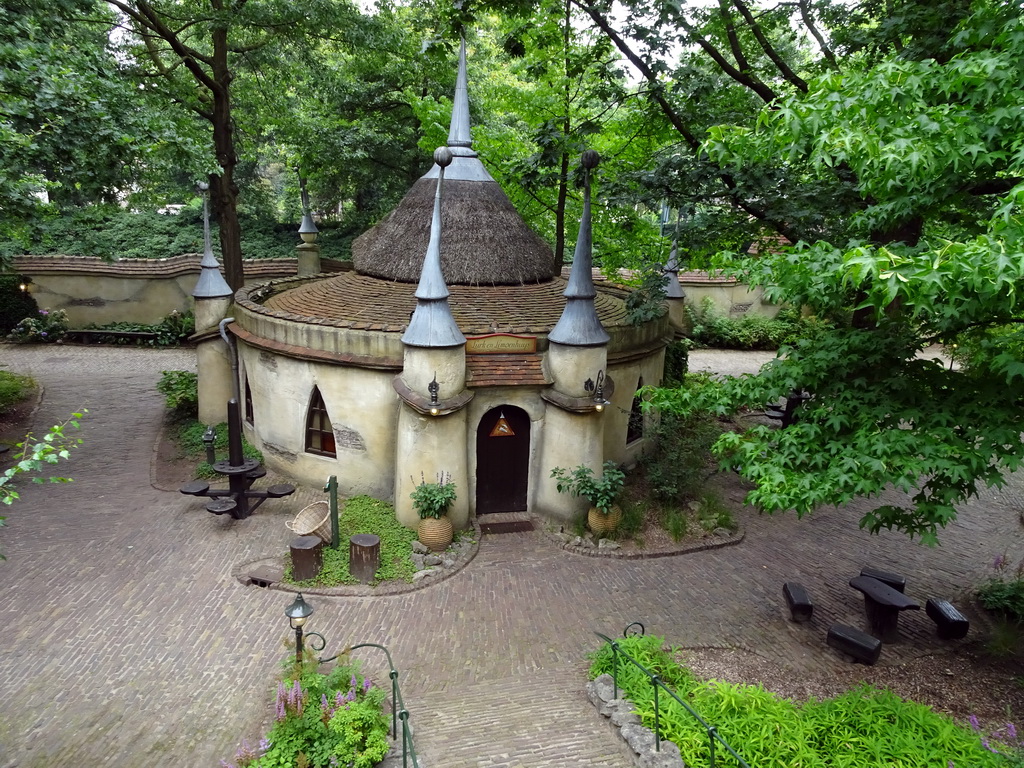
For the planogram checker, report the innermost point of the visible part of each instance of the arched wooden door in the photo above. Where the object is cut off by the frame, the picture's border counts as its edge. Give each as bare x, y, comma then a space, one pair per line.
502, 460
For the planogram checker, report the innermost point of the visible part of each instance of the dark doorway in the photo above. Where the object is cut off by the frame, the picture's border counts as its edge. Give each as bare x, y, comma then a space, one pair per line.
502, 460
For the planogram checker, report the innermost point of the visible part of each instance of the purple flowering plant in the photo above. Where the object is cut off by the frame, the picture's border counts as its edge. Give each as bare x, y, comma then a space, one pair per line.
43, 327
330, 719
1003, 593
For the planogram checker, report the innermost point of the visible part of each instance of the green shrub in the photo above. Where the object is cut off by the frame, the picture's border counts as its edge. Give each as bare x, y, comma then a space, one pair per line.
173, 331
710, 328
863, 728
363, 514
109, 232
15, 304
190, 440
13, 389
1004, 592
181, 392
677, 464
44, 327
322, 720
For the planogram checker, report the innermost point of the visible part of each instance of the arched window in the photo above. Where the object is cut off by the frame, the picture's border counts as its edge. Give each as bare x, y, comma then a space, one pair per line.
249, 416
635, 425
319, 433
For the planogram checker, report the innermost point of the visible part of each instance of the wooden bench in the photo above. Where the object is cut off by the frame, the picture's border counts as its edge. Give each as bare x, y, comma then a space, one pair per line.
950, 623
894, 580
799, 601
98, 334
882, 604
851, 641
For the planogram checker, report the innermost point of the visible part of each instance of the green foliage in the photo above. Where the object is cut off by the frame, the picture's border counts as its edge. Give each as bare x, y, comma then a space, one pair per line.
714, 514
677, 362
189, 436
863, 728
112, 232
172, 331
33, 455
677, 464
434, 499
363, 514
15, 304
710, 328
322, 720
1004, 592
44, 327
13, 389
181, 393
601, 492
879, 417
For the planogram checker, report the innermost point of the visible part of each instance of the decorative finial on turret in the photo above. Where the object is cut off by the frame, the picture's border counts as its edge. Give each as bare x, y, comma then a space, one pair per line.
673, 290
579, 325
307, 227
432, 324
211, 283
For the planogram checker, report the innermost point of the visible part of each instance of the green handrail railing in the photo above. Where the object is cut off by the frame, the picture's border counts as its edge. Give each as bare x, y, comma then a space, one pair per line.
398, 710
656, 683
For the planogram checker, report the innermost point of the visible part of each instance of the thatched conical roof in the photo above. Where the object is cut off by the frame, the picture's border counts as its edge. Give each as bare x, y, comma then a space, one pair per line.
486, 241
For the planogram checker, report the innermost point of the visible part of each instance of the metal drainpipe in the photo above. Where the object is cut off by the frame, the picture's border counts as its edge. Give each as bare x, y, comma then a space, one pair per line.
230, 341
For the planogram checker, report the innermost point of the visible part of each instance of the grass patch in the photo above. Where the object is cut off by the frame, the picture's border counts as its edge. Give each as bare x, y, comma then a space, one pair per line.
863, 728
362, 514
13, 389
189, 437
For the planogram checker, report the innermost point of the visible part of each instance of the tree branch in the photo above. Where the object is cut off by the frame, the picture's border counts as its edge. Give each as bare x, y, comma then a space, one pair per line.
768, 48
805, 14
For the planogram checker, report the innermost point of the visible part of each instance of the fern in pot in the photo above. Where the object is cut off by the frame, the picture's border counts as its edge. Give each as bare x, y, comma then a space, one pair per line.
602, 493
432, 502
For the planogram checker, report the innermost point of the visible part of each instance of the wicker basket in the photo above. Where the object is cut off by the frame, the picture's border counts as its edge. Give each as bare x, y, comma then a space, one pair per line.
316, 518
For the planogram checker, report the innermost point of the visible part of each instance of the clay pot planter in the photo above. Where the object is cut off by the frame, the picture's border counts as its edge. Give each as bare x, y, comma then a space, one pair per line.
435, 532
601, 523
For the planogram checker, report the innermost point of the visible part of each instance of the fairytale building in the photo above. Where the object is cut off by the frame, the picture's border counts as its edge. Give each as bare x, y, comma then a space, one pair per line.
452, 345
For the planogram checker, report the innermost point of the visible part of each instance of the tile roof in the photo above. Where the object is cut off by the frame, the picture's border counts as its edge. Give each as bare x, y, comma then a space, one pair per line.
505, 371
352, 300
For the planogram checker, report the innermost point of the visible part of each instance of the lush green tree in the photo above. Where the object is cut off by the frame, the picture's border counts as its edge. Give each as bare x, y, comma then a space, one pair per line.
71, 128
191, 52
930, 153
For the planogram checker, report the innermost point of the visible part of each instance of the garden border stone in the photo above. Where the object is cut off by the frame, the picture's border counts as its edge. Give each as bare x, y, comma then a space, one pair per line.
641, 741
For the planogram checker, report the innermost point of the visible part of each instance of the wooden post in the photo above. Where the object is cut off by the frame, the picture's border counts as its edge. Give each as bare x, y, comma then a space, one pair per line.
307, 557
364, 556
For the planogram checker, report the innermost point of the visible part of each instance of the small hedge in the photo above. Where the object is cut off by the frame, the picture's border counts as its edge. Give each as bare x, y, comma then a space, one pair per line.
863, 728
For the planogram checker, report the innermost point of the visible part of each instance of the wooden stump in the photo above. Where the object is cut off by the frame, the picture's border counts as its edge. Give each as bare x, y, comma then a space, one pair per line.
307, 557
364, 556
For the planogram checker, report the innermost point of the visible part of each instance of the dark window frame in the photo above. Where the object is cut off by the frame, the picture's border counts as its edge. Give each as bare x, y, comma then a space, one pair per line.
635, 422
319, 429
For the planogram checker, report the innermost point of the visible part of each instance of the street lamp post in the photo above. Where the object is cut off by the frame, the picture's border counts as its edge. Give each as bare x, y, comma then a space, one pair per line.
297, 614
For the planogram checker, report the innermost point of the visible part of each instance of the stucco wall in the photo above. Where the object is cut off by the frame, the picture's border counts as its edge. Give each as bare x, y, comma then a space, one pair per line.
363, 408
94, 291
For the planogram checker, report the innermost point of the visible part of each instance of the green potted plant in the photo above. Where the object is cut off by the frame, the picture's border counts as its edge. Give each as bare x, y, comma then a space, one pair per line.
602, 493
432, 501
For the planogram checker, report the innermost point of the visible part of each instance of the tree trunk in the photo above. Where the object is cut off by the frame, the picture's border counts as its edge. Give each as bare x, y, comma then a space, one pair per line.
223, 190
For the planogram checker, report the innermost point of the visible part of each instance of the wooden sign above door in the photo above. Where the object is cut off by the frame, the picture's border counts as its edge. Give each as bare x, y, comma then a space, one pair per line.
502, 428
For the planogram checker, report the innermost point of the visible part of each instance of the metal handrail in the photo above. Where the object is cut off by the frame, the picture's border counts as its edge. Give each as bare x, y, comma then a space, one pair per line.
398, 710
656, 683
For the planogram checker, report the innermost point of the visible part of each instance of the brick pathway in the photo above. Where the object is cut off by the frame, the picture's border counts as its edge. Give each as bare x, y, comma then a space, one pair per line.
125, 642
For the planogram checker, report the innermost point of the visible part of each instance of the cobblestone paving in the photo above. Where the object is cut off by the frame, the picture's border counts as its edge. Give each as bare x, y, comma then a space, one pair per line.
124, 640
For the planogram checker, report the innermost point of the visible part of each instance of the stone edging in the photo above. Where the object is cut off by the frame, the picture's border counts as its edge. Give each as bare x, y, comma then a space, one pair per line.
640, 739
570, 545
465, 552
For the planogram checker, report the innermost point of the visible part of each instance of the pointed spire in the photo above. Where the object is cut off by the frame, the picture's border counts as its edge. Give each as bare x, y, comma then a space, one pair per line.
579, 325
673, 290
467, 166
458, 134
211, 283
432, 324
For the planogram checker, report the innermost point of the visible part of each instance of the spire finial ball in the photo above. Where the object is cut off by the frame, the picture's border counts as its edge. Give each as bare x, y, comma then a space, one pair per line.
443, 157
590, 159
